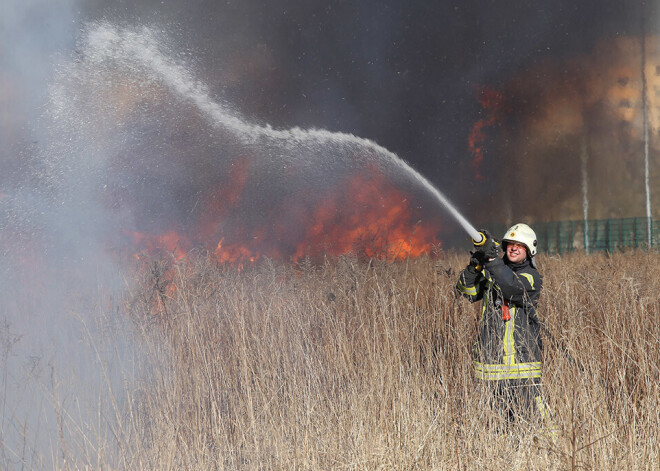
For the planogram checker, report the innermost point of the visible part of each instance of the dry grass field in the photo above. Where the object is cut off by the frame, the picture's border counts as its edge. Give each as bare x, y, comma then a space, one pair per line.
342, 365
367, 366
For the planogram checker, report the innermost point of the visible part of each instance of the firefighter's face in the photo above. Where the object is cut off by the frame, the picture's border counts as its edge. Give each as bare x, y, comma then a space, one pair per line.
516, 253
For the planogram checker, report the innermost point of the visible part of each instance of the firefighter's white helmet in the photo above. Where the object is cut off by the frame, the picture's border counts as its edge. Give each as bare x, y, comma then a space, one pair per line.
522, 234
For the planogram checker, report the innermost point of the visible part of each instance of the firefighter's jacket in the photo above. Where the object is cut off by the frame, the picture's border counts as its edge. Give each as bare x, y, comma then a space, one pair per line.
505, 349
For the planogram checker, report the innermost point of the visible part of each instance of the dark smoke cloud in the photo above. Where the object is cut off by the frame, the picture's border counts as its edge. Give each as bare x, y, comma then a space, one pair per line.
404, 74
558, 115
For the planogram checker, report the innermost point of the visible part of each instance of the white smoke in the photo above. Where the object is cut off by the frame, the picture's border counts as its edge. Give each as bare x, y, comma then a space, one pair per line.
62, 345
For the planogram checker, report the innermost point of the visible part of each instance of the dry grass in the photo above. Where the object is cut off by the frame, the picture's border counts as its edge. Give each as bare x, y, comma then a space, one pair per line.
353, 365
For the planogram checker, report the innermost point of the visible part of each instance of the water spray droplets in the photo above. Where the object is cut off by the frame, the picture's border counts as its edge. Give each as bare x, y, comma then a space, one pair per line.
136, 65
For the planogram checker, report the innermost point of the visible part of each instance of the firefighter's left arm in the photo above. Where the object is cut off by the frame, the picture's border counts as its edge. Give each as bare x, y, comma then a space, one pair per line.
470, 284
514, 286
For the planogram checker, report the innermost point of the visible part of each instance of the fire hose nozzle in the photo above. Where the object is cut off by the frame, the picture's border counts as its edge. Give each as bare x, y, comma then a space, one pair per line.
480, 242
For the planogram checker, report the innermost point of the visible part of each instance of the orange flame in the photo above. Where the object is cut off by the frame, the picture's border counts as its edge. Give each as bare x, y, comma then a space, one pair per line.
373, 219
367, 216
170, 241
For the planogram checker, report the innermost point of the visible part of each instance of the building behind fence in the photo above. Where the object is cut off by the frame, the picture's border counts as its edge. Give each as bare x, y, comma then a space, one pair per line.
594, 235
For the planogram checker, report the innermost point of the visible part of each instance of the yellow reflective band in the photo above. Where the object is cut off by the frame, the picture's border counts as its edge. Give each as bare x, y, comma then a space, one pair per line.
489, 279
498, 372
509, 342
530, 278
469, 290
486, 299
546, 417
541, 407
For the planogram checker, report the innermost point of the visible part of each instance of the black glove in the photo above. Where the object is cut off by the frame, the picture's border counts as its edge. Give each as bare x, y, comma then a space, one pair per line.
476, 261
490, 247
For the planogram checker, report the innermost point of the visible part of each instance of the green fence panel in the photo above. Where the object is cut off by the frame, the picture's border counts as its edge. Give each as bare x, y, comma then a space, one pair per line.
593, 235
597, 235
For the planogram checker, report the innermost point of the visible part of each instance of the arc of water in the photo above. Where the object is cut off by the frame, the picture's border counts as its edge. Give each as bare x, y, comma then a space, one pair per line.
143, 47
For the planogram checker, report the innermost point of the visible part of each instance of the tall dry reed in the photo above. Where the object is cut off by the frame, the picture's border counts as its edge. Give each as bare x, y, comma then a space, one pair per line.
367, 365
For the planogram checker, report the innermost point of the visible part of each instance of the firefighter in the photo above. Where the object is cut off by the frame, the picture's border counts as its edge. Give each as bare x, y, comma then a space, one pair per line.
507, 354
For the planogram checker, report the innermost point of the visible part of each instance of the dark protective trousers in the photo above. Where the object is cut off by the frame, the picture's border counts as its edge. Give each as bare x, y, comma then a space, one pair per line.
517, 401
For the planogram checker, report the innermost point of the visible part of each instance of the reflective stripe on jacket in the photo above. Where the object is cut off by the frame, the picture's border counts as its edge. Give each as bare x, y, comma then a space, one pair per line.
505, 349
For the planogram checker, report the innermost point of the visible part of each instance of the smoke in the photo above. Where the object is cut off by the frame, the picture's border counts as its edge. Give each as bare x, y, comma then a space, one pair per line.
31, 33
167, 157
62, 349
559, 110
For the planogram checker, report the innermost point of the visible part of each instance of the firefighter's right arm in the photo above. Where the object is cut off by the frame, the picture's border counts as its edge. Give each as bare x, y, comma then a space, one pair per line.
515, 287
470, 283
